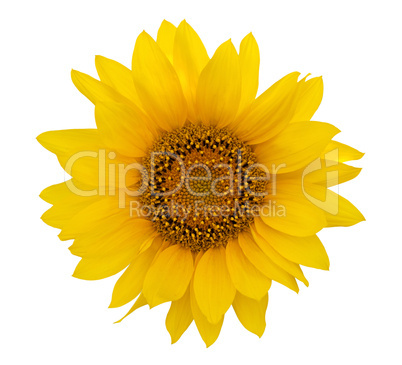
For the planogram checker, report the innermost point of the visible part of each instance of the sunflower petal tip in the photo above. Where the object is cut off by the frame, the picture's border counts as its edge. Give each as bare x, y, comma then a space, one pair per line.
164, 21
208, 344
112, 304
152, 303
228, 43
260, 332
143, 34
62, 237
41, 138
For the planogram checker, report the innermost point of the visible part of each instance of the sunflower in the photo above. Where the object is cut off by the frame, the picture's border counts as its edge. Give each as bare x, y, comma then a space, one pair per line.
201, 191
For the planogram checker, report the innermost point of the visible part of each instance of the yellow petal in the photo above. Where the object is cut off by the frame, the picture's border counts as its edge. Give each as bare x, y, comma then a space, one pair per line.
122, 129
110, 251
189, 59
209, 332
165, 39
130, 283
308, 100
55, 193
59, 192
219, 87
213, 287
169, 276
96, 90
289, 266
289, 210
270, 113
344, 152
251, 312
307, 251
63, 210
96, 268
246, 278
324, 172
83, 155
117, 76
111, 235
347, 214
337, 210
140, 302
66, 142
295, 147
249, 57
264, 263
332, 173
157, 84
179, 316
94, 216
145, 245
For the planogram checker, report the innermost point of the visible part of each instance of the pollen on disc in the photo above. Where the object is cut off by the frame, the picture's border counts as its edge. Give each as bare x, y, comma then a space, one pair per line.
203, 184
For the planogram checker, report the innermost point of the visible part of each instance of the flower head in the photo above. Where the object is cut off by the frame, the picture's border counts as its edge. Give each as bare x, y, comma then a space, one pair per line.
202, 192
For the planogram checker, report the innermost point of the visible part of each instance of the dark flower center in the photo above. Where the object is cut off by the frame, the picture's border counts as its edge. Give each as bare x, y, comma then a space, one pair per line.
204, 186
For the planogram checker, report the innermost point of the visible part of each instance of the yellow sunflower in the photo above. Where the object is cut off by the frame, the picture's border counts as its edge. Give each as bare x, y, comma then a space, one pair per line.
202, 192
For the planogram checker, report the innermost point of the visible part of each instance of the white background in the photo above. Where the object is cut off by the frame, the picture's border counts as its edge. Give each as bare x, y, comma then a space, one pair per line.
349, 315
